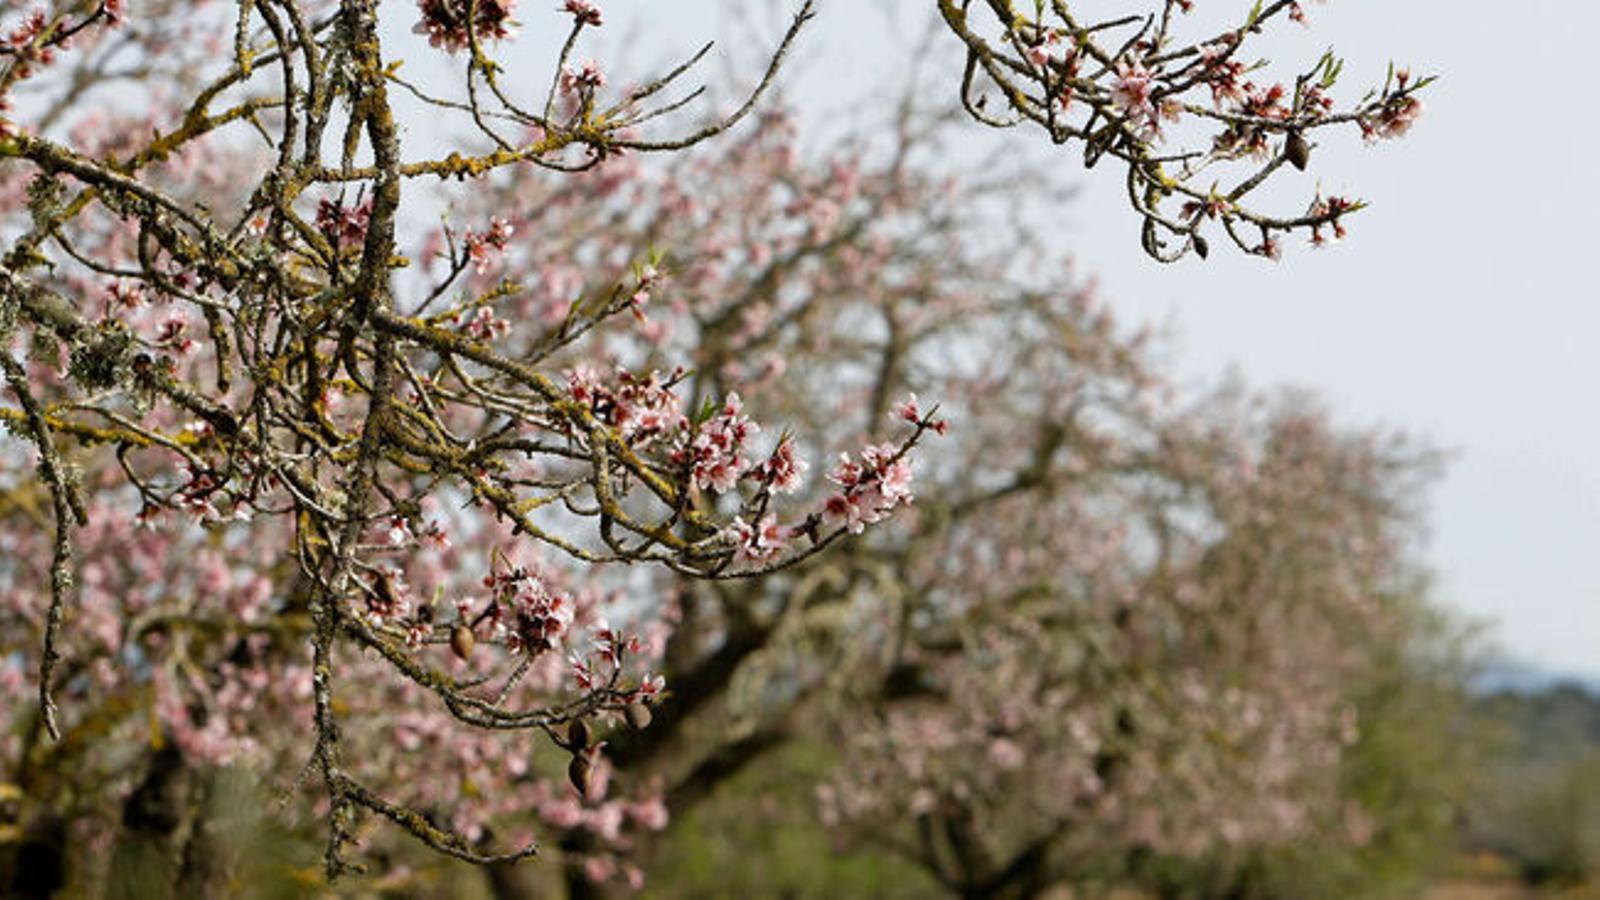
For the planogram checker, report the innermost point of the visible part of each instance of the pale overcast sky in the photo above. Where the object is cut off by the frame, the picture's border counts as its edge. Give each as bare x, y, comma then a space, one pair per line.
1460, 309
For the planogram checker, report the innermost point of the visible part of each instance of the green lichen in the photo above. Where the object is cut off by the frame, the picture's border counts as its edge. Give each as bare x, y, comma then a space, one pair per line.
103, 362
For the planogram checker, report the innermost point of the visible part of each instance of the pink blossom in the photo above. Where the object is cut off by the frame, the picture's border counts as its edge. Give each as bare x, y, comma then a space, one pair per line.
584, 11
849, 511
586, 77
641, 407
124, 294
872, 488
1005, 754
651, 813
485, 248
651, 685
760, 543
399, 533
484, 325
1132, 93
598, 868
783, 470
908, 409
1394, 120
346, 226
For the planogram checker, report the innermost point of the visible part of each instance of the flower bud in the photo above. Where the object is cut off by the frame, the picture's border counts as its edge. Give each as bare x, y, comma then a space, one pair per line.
638, 715
1201, 247
462, 642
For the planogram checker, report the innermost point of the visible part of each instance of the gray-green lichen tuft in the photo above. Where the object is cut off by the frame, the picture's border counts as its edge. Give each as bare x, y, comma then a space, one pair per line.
103, 362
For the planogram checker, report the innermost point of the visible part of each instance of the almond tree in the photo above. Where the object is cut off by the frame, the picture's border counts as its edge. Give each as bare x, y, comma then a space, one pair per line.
1157, 654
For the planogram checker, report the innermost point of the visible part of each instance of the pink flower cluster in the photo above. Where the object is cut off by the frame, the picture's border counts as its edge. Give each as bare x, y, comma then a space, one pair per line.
783, 470
445, 22
1222, 72
528, 615
170, 335
196, 497
612, 648
586, 77
870, 489
640, 408
760, 543
23, 42
123, 294
1329, 206
345, 226
484, 325
645, 408
715, 455
1394, 119
485, 248
614, 645
1133, 93
1265, 103
910, 410
584, 12
1050, 56
649, 277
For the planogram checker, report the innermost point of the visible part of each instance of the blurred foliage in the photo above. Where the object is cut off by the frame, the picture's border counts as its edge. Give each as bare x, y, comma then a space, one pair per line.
759, 837
1541, 807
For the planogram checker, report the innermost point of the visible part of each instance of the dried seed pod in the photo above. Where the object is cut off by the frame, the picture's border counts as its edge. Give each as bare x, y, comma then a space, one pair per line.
1201, 247
383, 600
385, 589
638, 715
578, 735
1297, 150
462, 641
581, 773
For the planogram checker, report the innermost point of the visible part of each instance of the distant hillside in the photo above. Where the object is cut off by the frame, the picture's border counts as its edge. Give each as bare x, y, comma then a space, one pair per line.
1525, 678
